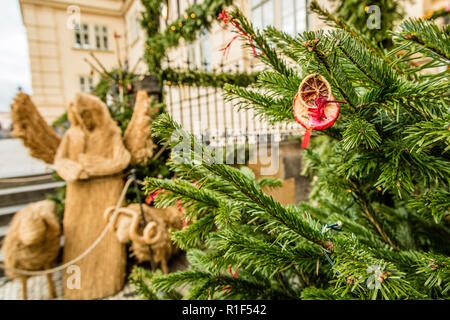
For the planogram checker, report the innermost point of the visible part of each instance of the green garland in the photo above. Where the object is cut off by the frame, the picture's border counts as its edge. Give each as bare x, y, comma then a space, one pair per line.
150, 16
195, 18
208, 79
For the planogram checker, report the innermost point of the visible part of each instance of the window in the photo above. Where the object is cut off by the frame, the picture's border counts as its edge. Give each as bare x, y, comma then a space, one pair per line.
134, 26
191, 55
105, 38
86, 84
101, 37
82, 37
288, 15
293, 16
205, 58
262, 13
198, 52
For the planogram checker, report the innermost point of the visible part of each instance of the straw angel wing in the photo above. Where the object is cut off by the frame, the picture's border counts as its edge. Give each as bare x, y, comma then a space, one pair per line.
29, 126
137, 137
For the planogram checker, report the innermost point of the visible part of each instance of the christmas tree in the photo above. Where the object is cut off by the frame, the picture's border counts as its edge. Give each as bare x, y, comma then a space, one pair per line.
377, 223
372, 18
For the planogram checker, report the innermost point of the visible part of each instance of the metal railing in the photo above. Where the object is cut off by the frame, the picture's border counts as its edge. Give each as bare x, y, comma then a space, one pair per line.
204, 112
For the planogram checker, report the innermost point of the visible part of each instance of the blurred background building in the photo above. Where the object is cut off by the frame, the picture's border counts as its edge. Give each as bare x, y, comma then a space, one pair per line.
62, 33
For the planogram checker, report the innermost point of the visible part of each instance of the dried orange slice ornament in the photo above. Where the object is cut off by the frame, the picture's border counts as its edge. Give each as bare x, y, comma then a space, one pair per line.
314, 105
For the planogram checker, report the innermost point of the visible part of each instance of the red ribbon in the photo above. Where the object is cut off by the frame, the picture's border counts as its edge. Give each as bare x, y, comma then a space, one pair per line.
306, 138
234, 274
151, 197
227, 287
317, 113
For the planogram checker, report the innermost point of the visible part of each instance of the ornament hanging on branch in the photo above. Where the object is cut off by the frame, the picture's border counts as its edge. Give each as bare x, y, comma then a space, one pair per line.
314, 105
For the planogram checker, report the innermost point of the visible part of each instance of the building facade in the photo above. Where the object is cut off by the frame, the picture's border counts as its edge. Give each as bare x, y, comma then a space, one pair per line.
63, 33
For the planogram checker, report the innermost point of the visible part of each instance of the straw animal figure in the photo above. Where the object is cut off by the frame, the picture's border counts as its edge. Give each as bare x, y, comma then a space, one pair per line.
155, 234
32, 242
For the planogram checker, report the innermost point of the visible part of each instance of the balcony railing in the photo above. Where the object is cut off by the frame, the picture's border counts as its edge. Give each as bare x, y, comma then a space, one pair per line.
204, 112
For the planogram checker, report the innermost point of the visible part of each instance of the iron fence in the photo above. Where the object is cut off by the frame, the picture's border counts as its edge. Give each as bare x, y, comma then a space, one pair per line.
205, 113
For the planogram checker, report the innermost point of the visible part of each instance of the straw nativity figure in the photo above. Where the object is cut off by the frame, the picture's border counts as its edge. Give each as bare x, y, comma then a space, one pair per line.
90, 157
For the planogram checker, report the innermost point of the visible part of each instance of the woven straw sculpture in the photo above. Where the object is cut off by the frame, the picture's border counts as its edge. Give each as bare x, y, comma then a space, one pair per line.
137, 137
32, 242
91, 158
155, 234
29, 126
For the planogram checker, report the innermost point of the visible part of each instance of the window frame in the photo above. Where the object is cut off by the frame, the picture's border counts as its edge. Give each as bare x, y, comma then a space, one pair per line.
86, 83
204, 51
105, 37
277, 15
260, 5
101, 37
295, 11
134, 28
196, 51
83, 32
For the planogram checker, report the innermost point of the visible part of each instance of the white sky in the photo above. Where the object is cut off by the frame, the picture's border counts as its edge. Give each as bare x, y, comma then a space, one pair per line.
14, 61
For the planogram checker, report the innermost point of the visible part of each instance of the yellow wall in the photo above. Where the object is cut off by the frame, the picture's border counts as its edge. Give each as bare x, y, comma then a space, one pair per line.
55, 63
135, 47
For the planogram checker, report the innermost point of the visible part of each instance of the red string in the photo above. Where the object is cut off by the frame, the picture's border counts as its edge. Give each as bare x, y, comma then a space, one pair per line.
235, 274
180, 209
226, 50
227, 287
226, 18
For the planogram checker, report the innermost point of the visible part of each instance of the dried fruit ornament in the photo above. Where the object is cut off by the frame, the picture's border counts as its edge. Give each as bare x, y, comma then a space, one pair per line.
314, 105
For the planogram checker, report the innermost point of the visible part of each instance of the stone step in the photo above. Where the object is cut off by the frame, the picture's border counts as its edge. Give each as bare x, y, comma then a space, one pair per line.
12, 182
36, 187
6, 211
3, 231
27, 194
